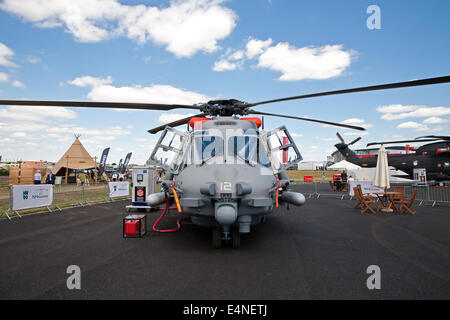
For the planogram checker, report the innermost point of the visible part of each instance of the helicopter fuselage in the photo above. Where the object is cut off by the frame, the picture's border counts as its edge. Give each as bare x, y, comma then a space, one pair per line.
226, 172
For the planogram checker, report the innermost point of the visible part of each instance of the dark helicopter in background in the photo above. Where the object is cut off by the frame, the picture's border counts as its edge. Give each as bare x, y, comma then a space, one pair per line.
433, 156
226, 172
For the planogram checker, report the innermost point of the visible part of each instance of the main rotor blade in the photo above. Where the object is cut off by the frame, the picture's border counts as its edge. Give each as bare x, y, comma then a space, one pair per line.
414, 83
340, 137
306, 119
92, 104
401, 141
354, 141
436, 137
175, 123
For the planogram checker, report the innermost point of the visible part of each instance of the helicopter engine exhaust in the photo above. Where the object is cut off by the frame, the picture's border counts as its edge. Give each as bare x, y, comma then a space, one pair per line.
155, 199
295, 198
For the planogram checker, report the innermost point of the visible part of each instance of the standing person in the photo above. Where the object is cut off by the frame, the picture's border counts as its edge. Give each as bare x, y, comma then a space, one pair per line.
50, 178
37, 177
114, 176
121, 177
323, 176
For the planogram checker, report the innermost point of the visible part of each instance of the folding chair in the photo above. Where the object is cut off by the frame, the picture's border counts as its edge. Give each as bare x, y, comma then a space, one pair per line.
364, 201
406, 204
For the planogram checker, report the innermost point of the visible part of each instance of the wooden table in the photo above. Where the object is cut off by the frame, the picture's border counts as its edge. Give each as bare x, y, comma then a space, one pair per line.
386, 202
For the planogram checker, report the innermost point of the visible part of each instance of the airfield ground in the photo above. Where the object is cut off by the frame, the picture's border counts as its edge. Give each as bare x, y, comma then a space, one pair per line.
318, 251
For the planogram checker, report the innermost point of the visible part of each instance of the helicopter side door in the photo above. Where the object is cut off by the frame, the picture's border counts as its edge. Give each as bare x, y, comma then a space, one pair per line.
170, 150
280, 149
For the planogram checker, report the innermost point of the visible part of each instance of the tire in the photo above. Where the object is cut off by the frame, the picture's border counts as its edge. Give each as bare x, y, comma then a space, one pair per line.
235, 238
216, 238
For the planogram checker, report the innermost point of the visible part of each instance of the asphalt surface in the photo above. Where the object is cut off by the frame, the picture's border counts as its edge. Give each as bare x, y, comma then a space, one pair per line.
318, 251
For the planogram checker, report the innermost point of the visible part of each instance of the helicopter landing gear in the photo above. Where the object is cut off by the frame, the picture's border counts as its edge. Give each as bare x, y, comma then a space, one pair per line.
217, 238
235, 238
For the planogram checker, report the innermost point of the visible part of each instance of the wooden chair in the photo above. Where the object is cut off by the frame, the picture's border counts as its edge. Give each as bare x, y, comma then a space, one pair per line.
406, 204
364, 201
399, 198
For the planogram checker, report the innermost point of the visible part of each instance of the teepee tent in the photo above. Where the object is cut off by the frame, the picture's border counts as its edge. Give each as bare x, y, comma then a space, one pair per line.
75, 158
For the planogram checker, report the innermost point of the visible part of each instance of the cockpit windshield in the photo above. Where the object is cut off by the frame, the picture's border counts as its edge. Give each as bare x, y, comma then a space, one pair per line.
206, 146
227, 146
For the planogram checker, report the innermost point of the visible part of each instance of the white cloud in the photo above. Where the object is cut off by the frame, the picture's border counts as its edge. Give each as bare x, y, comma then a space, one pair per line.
255, 47
4, 77
354, 133
357, 122
229, 61
5, 55
33, 59
396, 108
397, 111
305, 63
434, 120
85, 81
224, 65
294, 63
36, 113
413, 125
165, 94
184, 27
170, 117
418, 126
18, 84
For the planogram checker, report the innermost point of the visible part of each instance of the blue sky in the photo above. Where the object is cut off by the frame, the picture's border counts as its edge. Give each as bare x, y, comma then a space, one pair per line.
194, 50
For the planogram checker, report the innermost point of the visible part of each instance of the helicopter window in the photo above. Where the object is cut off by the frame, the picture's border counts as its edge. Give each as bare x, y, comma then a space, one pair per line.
243, 147
206, 147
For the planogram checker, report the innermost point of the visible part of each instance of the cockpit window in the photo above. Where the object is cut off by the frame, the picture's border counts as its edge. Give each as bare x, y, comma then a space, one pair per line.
205, 147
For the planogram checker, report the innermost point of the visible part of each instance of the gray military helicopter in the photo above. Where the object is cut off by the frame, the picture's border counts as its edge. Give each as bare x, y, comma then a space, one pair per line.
226, 172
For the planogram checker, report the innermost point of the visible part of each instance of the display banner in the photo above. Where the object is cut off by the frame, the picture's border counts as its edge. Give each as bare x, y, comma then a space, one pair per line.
366, 187
119, 189
125, 163
31, 196
103, 161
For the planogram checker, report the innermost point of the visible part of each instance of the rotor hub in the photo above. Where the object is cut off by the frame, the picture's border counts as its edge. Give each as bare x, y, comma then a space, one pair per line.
226, 108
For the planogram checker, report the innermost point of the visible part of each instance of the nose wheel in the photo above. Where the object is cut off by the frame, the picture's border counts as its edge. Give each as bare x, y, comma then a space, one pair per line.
235, 238
218, 236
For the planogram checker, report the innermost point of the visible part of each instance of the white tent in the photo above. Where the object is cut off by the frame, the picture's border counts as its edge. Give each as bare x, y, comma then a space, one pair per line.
344, 165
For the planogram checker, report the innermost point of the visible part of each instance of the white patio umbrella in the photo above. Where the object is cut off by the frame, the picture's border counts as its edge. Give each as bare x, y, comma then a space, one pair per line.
382, 170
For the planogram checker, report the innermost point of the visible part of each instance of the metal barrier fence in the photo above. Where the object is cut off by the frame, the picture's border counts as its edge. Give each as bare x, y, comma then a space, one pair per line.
65, 196
426, 195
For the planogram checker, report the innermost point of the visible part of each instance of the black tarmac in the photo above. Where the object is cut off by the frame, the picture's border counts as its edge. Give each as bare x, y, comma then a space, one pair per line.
318, 251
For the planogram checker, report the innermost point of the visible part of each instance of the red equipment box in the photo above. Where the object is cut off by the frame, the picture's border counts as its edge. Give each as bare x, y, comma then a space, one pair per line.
308, 179
134, 226
336, 177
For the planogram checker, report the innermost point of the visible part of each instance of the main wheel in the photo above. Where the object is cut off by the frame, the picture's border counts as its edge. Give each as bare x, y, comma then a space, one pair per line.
235, 238
217, 238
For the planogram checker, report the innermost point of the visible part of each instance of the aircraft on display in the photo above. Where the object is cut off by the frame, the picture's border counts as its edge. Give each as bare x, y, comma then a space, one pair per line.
433, 156
226, 171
